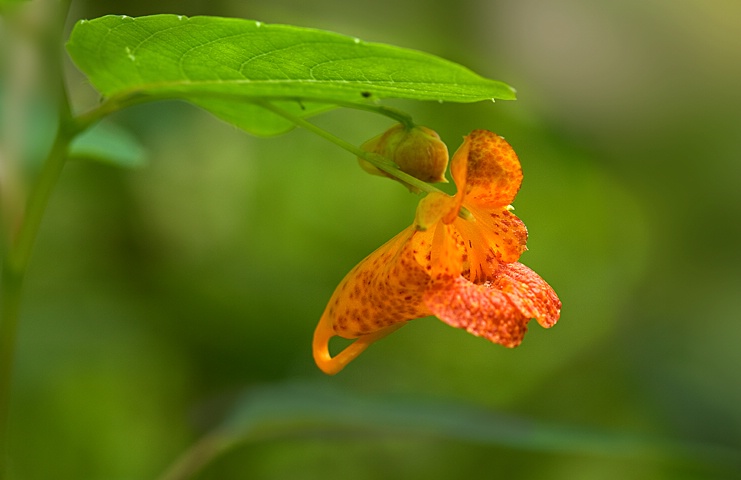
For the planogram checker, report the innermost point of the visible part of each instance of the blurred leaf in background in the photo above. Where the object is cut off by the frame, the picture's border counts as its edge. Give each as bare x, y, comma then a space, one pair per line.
158, 295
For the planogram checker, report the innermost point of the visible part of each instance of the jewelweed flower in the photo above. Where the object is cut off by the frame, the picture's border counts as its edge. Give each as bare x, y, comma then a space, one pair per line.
457, 261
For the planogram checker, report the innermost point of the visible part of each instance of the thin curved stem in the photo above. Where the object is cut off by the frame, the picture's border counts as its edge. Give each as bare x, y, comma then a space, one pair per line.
111, 105
390, 112
378, 161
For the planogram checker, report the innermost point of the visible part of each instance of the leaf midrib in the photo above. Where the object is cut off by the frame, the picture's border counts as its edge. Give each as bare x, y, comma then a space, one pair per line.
345, 84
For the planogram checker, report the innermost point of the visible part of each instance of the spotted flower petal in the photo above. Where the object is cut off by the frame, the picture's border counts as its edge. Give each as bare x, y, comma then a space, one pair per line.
487, 173
498, 310
493, 174
379, 295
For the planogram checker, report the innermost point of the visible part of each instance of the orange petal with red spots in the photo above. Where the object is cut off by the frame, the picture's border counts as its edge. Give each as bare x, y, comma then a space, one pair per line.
529, 293
498, 310
493, 234
383, 289
379, 295
447, 254
478, 309
494, 174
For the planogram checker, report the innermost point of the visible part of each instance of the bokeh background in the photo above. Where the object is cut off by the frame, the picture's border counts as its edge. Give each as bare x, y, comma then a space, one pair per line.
158, 296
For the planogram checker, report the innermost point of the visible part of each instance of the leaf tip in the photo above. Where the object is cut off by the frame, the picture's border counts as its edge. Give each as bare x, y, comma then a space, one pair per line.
513, 93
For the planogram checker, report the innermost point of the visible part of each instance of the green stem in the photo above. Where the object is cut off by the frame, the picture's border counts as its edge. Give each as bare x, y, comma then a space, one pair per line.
9, 307
18, 254
14, 269
378, 161
390, 112
110, 105
20, 243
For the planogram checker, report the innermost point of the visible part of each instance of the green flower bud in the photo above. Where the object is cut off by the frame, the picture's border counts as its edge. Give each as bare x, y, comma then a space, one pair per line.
417, 151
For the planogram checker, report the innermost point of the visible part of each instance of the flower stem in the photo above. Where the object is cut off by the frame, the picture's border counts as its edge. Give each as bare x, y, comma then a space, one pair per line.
390, 112
378, 161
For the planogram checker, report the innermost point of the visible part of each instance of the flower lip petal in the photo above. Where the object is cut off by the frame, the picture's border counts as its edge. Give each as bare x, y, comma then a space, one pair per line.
498, 310
478, 309
529, 293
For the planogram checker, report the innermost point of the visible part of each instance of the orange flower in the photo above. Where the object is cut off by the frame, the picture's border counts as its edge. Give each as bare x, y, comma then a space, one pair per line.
458, 262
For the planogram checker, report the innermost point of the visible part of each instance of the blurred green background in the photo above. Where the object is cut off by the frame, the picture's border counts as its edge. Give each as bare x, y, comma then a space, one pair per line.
158, 296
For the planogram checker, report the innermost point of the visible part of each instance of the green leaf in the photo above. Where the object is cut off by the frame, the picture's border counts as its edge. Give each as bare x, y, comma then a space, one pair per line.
300, 410
228, 66
109, 144
295, 408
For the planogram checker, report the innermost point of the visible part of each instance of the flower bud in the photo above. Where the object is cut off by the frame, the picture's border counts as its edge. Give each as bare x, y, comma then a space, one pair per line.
417, 151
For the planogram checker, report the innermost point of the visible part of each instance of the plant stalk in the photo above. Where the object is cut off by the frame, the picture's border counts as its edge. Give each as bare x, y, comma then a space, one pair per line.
377, 160
14, 269
390, 112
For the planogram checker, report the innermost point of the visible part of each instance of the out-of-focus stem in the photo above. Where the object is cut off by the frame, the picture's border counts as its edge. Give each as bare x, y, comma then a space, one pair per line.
21, 234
